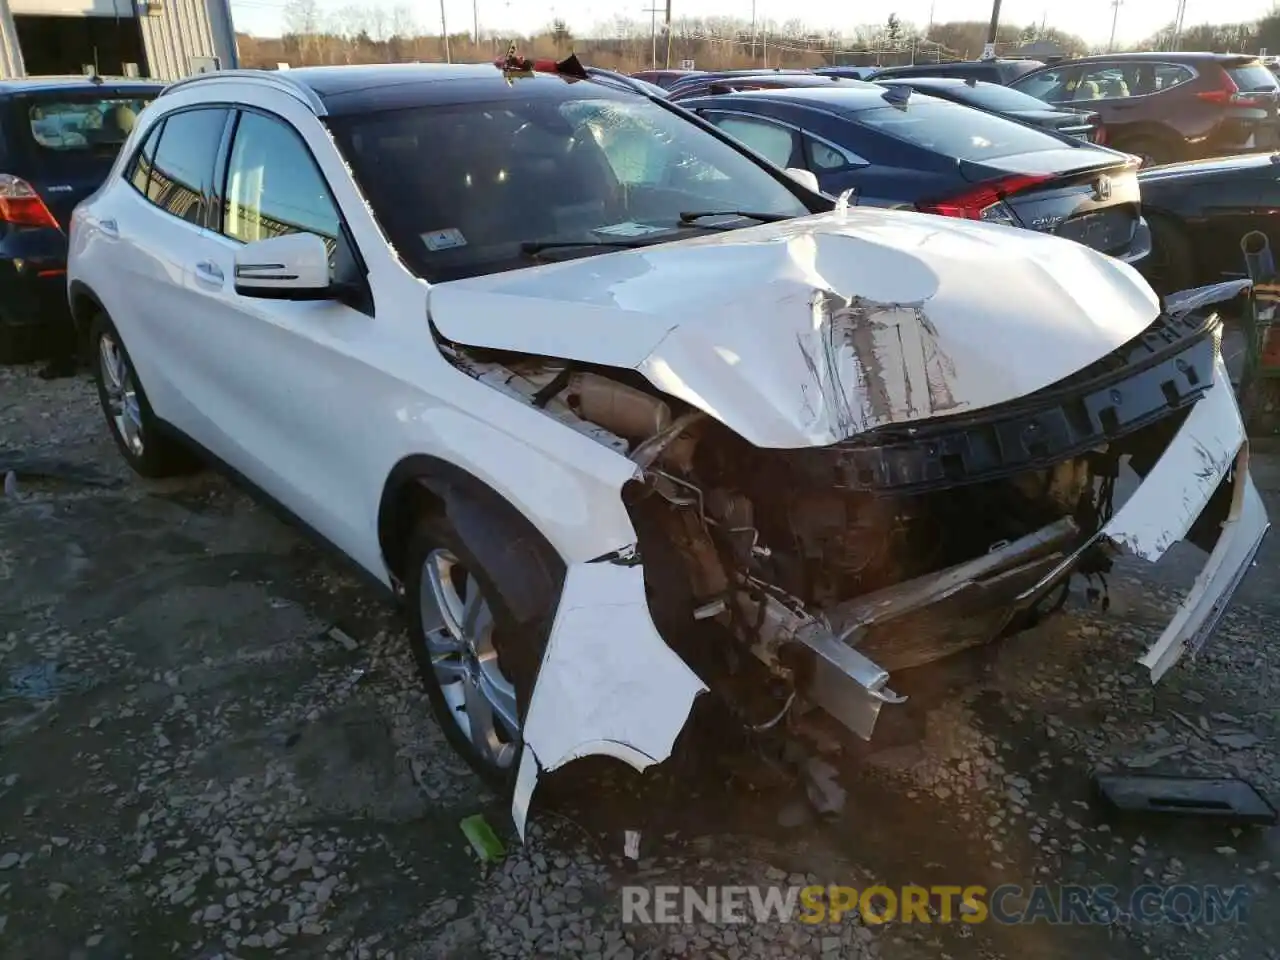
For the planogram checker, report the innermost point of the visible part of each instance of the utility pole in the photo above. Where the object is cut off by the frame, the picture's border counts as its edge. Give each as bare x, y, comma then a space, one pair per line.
444, 34
668, 34
1115, 15
653, 32
753, 29
989, 51
1176, 40
475, 16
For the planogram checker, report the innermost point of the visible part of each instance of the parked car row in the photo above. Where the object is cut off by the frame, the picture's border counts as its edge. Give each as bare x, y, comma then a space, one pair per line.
1163, 107
898, 148
621, 413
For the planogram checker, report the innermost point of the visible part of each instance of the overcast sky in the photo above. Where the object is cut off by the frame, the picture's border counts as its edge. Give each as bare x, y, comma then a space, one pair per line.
1090, 19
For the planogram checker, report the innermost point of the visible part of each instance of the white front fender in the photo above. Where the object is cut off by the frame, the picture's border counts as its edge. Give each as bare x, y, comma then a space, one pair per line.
608, 684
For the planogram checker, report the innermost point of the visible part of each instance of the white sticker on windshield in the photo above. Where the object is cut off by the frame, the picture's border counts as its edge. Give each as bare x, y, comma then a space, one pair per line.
444, 239
630, 229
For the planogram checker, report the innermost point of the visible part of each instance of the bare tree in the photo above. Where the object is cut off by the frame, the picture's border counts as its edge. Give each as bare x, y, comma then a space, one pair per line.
302, 17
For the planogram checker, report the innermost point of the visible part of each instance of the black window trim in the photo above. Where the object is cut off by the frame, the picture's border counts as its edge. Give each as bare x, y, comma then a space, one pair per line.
222, 170
206, 198
156, 130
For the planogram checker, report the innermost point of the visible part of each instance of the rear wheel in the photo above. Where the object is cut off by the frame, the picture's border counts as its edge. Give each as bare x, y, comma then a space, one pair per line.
133, 426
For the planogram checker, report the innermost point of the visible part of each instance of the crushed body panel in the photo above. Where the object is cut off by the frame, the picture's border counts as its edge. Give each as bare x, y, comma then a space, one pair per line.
810, 331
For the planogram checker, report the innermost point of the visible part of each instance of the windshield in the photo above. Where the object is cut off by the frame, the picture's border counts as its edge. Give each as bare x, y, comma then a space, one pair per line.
465, 189
84, 125
954, 130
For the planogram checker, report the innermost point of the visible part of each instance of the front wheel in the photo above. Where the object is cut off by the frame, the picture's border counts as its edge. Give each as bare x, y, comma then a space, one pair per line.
476, 656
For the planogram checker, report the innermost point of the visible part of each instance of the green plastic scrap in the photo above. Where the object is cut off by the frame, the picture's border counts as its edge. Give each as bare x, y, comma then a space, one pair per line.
482, 838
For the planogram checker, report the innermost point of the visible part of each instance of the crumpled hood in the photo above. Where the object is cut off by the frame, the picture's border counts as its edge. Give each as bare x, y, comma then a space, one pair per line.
810, 331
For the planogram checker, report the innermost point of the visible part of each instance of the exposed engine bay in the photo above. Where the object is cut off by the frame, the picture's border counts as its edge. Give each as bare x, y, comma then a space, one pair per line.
839, 564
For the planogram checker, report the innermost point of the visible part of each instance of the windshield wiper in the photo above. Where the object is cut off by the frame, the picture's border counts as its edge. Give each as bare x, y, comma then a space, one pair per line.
691, 216
535, 247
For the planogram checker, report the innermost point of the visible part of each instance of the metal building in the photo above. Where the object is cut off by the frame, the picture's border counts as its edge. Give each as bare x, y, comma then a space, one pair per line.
162, 39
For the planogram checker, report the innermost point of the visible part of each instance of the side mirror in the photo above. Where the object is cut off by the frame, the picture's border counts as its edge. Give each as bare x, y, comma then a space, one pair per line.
292, 267
806, 178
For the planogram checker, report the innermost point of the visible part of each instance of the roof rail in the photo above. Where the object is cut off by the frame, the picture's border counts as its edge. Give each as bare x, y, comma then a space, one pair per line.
279, 79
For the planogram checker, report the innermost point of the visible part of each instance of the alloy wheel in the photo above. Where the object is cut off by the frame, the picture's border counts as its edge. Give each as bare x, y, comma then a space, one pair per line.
458, 625
121, 393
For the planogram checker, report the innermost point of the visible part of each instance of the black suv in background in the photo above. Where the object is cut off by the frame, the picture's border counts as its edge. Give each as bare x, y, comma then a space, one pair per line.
58, 139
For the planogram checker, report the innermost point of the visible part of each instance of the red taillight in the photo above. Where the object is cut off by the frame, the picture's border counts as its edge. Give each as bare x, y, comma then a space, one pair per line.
970, 204
21, 205
1229, 93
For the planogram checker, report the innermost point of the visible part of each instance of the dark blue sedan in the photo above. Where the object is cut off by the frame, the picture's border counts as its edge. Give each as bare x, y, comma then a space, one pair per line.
895, 147
58, 139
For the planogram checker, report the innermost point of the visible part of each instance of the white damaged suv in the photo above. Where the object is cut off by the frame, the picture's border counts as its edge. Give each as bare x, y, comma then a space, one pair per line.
624, 414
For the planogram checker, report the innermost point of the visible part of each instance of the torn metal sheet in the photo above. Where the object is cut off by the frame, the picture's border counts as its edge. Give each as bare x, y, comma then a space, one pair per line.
1179, 486
1198, 616
1173, 494
608, 684
805, 332
1184, 301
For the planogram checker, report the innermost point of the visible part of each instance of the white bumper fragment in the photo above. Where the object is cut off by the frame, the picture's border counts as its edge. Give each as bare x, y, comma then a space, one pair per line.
1173, 494
609, 684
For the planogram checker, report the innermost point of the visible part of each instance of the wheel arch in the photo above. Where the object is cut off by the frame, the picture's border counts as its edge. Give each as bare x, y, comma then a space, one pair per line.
84, 304
421, 484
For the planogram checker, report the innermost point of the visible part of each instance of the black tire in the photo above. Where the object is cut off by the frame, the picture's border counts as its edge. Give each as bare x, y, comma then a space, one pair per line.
1153, 150
158, 454
1171, 265
520, 584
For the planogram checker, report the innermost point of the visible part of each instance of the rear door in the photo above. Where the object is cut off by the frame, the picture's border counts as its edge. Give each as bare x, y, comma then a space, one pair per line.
68, 140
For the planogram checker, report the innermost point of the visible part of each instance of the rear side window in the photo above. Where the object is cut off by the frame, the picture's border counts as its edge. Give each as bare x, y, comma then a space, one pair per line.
1166, 76
776, 144
1252, 77
182, 172
139, 171
83, 125
953, 130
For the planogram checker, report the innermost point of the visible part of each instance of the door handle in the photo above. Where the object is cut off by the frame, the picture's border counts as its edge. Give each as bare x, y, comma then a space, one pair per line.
109, 228
209, 272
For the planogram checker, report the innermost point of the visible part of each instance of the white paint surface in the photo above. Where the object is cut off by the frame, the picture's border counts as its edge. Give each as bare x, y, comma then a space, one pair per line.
609, 684
808, 331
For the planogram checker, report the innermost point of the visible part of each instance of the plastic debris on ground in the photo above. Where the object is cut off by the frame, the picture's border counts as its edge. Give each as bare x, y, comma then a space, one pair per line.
482, 839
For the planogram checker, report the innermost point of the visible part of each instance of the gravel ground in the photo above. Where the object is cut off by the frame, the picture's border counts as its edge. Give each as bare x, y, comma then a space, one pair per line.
193, 763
